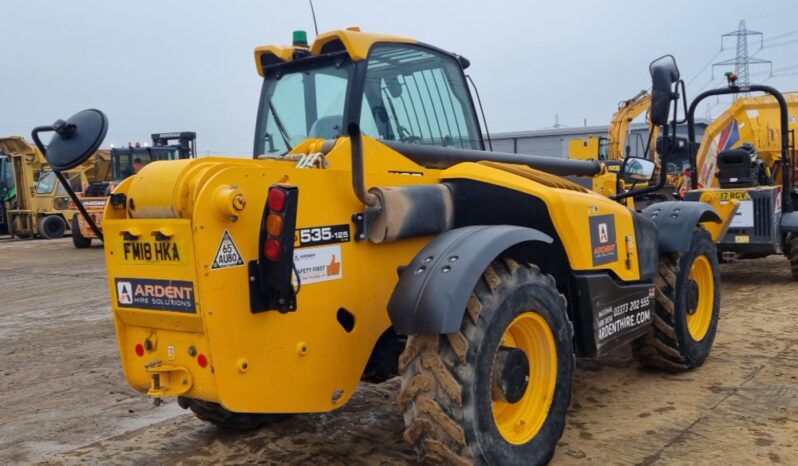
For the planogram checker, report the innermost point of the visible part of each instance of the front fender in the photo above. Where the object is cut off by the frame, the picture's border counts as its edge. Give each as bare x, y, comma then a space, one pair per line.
433, 291
675, 221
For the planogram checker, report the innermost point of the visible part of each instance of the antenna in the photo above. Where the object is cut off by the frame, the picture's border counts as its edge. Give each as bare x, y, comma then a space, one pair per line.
313, 12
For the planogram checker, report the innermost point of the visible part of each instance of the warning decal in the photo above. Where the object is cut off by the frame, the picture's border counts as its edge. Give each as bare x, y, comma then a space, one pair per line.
318, 264
227, 255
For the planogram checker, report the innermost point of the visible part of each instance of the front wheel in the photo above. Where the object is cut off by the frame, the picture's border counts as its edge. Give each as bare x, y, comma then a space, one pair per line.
497, 391
52, 227
80, 241
687, 308
792, 254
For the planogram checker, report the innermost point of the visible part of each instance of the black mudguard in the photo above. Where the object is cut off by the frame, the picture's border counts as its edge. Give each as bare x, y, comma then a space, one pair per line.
433, 291
675, 221
789, 222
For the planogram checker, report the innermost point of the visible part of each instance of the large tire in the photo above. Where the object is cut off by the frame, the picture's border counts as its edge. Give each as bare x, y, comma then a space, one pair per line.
792, 254
225, 419
448, 393
687, 308
52, 227
80, 241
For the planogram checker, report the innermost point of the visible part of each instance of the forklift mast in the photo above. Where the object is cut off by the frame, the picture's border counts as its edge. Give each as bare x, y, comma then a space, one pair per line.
186, 142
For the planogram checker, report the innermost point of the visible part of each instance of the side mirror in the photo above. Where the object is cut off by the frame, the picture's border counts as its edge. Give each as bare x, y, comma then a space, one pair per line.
664, 73
75, 140
636, 169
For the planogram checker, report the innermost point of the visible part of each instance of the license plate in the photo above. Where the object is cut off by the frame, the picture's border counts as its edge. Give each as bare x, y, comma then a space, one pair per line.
152, 252
742, 239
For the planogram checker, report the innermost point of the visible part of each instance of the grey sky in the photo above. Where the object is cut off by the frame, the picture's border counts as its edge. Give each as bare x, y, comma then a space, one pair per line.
188, 65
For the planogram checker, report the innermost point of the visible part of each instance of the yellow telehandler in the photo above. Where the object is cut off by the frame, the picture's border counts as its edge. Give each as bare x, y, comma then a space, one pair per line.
372, 235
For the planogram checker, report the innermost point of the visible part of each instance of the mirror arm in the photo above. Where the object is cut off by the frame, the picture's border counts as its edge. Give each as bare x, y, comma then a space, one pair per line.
62, 178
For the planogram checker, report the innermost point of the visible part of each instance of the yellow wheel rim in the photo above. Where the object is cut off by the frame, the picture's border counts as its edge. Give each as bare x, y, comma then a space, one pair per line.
700, 305
519, 422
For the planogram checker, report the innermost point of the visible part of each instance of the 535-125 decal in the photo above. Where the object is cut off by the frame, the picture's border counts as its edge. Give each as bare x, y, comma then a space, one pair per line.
318, 236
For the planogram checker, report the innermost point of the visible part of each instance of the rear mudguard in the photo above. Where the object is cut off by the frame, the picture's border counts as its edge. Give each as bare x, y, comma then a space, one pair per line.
433, 290
675, 221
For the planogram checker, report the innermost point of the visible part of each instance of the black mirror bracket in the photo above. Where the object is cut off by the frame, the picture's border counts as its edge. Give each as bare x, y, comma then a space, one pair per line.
66, 130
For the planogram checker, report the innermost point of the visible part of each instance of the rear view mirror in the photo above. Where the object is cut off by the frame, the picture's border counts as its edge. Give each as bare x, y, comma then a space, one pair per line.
664, 73
636, 169
75, 140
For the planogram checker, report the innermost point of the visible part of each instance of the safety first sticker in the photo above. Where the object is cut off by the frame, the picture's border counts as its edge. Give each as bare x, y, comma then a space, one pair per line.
227, 255
319, 264
602, 239
159, 295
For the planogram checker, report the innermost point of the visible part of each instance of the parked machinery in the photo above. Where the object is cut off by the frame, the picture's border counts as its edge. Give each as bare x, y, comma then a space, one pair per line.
125, 162
372, 235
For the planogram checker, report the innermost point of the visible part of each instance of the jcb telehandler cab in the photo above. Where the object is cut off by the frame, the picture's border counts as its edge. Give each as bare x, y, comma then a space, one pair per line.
372, 236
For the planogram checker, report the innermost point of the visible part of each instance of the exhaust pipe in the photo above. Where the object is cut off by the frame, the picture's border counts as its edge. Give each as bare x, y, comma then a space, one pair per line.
358, 173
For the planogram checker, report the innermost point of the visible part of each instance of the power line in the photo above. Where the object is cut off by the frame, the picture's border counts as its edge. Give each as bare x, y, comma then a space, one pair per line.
706, 65
772, 13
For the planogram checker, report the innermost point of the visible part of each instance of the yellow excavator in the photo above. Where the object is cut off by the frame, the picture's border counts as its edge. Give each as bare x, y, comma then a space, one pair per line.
614, 147
40, 206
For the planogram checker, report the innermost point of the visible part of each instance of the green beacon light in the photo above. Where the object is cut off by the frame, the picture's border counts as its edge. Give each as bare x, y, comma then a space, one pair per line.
300, 39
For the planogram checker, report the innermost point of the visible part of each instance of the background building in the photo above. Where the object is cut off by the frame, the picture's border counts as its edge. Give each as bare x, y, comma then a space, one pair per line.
553, 142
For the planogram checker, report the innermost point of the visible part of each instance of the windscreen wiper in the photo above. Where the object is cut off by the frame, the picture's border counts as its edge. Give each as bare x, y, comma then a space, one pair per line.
279, 123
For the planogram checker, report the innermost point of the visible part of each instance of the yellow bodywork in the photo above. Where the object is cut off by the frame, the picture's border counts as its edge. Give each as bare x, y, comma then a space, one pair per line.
356, 43
302, 361
586, 149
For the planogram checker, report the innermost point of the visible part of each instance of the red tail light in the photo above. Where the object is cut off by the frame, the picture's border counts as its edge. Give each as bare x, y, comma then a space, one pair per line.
139, 349
272, 249
277, 199
202, 360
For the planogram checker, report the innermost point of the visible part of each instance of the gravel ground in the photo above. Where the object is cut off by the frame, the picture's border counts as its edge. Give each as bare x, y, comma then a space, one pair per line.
63, 398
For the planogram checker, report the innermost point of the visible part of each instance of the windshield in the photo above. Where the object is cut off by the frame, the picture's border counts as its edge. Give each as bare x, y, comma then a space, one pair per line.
128, 161
6, 176
301, 102
417, 95
46, 183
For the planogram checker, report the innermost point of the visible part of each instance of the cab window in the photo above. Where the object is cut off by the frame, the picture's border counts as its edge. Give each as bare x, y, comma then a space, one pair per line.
46, 183
416, 95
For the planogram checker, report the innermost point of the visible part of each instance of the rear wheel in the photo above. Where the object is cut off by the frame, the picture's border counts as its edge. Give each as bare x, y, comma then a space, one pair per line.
225, 419
52, 226
495, 392
80, 241
687, 308
792, 254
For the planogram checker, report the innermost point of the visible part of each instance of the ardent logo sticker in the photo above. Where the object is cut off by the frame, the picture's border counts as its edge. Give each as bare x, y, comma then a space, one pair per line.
602, 239
159, 295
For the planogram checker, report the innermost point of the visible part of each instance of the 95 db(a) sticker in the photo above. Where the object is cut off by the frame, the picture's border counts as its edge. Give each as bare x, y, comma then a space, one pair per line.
319, 264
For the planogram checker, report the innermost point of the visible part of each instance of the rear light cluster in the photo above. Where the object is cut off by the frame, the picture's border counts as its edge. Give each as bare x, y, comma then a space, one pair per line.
275, 221
272, 288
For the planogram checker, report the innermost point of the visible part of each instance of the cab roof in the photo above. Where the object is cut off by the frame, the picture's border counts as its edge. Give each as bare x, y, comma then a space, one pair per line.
352, 40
